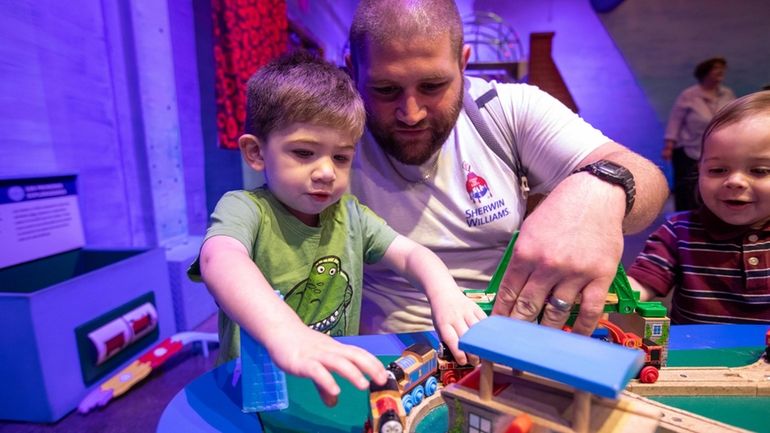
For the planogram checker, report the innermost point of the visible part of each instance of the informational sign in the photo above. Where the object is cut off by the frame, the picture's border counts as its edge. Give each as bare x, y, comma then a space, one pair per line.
39, 217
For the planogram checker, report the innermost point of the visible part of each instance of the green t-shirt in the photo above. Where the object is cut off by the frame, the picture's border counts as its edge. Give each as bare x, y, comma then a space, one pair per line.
318, 270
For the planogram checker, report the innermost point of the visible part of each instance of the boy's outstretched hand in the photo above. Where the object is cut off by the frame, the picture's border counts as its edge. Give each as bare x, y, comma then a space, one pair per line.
303, 352
453, 314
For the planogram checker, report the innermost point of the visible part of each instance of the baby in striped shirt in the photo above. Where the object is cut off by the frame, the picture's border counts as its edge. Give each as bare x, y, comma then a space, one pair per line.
716, 259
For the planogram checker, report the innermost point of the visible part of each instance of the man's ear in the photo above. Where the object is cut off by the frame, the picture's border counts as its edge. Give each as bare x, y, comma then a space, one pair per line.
252, 151
466, 56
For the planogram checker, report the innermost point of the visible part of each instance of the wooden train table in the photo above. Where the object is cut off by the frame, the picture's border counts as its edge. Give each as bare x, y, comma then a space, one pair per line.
212, 404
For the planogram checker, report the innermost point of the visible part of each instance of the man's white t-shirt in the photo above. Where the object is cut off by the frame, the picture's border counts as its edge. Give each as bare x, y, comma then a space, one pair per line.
464, 203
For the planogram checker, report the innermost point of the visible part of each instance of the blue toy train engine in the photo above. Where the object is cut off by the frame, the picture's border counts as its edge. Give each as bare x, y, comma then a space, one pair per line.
415, 373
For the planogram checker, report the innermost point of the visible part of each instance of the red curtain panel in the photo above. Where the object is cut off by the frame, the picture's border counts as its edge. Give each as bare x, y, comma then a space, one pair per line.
247, 34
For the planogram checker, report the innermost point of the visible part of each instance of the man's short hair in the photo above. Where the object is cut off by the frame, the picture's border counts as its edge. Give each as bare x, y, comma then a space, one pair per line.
378, 21
703, 68
300, 87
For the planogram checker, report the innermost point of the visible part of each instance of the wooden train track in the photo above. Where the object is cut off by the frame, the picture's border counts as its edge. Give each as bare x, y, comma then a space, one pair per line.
750, 380
422, 410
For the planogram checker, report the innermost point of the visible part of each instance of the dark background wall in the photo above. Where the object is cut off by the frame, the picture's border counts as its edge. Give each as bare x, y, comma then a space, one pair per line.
662, 41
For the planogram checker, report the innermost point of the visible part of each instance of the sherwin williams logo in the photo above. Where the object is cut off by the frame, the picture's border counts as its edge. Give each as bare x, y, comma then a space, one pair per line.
475, 185
477, 188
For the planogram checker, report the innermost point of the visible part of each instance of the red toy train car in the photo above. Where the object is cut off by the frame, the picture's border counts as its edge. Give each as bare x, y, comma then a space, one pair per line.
652, 351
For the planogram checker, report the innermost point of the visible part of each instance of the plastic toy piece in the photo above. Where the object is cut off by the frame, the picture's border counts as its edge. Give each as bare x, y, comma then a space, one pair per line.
263, 384
628, 300
134, 372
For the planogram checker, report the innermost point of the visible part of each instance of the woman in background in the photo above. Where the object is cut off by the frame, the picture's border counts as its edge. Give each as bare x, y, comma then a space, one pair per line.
692, 111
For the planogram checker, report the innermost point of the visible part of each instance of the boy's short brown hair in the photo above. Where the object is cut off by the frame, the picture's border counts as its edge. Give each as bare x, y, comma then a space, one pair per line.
300, 87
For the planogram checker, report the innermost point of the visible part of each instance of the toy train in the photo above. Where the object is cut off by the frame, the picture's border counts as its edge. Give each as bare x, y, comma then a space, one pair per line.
412, 377
652, 351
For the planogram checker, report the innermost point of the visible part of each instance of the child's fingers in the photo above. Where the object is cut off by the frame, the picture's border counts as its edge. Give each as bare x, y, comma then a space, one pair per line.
328, 399
324, 382
479, 313
355, 363
474, 316
349, 371
369, 365
449, 335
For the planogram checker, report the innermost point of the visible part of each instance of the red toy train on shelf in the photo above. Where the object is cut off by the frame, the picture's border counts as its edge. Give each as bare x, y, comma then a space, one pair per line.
415, 375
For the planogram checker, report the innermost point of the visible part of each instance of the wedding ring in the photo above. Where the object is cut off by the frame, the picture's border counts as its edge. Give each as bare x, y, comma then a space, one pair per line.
559, 305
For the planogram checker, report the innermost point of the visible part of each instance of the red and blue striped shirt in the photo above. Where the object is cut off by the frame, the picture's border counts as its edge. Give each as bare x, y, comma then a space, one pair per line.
719, 273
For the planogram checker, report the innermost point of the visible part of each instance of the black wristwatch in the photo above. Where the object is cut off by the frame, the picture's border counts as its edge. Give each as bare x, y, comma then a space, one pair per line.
615, 174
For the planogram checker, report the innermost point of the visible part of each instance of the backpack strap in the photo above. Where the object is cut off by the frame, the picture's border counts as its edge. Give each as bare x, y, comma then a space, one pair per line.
487, 110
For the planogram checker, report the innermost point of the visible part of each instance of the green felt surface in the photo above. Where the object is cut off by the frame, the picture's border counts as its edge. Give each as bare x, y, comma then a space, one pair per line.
732, 357
751, 413
307, 413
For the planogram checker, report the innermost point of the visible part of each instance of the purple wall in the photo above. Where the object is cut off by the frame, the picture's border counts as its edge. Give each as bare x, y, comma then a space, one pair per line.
90, 87
600, 81
663, 40
121, 92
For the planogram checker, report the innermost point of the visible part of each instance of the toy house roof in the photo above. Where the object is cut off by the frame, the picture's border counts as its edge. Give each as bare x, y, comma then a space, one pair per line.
582, 362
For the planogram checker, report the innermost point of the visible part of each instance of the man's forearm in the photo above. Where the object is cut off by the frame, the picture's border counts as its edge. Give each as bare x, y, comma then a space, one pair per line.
651, 185
651, 190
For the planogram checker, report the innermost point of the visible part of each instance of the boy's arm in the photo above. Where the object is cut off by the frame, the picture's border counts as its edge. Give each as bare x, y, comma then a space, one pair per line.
453, 313
242, 291
645, 294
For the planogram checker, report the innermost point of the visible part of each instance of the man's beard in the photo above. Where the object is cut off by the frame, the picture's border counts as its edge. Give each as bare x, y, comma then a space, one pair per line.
416, 151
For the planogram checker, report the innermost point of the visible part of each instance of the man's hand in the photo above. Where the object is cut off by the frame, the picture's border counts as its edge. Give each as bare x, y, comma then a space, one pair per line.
568, 250
571, 244
306, 353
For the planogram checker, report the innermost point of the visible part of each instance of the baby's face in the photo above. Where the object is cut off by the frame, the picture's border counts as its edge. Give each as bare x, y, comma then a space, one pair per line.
734, 172
307, 168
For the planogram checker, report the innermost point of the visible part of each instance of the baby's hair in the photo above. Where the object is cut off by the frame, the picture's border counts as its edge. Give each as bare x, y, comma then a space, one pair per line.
742, 108
300, 87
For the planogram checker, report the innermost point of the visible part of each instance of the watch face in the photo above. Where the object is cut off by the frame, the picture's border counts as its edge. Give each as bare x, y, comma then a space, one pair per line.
611, 168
